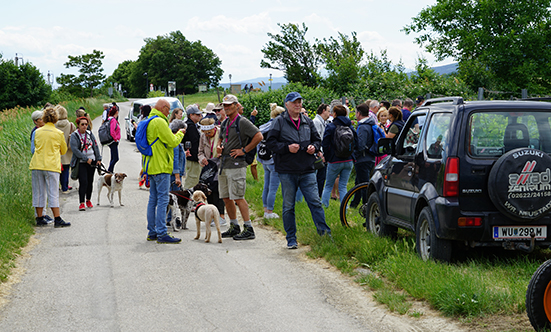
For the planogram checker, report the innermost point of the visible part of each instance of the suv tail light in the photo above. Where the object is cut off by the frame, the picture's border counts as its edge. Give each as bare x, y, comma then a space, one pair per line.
451, 178
469, 221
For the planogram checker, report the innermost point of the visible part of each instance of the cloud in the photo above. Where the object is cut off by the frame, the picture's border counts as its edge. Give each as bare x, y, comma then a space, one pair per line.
251, 25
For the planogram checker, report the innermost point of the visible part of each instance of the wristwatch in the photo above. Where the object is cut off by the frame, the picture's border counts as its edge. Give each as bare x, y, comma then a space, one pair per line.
244, 152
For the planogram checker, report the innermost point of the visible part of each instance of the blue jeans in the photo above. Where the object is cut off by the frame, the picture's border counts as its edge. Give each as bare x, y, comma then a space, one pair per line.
64, 178
271, 184
158, 202
333, 170
290, 183
114, 147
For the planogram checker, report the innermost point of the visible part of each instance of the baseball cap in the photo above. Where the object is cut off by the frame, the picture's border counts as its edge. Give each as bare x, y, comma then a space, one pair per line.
292, 96
192, 109
419, 99
36, 115
229, 99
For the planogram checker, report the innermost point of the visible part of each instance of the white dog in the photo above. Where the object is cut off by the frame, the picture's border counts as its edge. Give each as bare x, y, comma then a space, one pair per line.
113, 182
207, 213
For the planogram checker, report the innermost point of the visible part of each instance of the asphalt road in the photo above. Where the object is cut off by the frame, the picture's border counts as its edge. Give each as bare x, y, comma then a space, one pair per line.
101, 274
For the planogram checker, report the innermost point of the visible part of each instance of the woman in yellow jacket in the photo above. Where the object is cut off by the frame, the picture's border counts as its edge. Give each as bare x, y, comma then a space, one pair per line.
45, 168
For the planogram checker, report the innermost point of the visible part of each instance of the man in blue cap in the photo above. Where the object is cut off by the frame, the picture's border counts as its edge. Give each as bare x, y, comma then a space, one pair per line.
294, 141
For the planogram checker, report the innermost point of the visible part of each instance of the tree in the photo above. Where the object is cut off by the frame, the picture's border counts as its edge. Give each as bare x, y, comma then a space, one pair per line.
90, 72
343, 60
174, 58
291, 53
122, 74
22, 85
504, 42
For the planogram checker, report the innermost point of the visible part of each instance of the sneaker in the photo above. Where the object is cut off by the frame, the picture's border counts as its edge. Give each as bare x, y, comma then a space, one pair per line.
61, 223
152, 238
40, 221
168, 239
232, 231
70, 188
82, 207
247, 234
48, 219
222, 222
292, 244
65, 192
271, 215
89, 204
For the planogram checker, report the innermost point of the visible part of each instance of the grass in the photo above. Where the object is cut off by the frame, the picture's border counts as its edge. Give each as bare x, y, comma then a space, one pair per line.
202, 98
477, 285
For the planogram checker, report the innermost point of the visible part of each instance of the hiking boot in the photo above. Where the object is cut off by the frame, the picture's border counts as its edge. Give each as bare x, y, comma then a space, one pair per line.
82, 207
232, 231
152, 238
40, 221
89, 204
168, 239
247, 234
61, 223
48, 219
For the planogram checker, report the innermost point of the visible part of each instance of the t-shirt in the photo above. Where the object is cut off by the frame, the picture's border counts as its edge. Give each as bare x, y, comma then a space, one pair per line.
230, 141
394, 129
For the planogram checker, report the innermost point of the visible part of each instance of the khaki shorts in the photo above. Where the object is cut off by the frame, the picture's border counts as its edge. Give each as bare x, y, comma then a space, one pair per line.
232, 183
193, 171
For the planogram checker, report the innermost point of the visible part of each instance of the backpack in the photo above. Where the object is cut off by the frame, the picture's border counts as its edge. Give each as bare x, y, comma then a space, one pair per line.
377, 133
343, 141
104, 133
263, 152
143, 145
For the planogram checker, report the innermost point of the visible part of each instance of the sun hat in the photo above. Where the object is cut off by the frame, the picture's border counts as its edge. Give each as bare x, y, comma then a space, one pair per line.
209, 108
229, 99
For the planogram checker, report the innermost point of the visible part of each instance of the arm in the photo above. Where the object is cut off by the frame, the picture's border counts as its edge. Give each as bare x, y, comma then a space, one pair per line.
165, 134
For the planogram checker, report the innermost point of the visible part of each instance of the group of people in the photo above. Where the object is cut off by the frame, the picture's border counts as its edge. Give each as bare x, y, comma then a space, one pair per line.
60, 148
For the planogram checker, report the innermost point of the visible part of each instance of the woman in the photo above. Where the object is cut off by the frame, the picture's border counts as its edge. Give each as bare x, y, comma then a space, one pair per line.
115, 130
67, 128
86, 154
382, 118
210, 135
82, 112
271, 178
45, 168
177, 114
336, 166
396, 123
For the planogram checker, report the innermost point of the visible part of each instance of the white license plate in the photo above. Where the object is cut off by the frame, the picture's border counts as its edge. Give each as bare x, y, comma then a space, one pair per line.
519, 232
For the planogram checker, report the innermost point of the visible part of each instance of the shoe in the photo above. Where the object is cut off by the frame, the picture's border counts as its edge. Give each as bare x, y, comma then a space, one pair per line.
334, 198
168, 239
82, 207
223, 222
40, 221
292, 244
89, 204
152, 238
232, 231
65, 192
271, 215
247, 234
70, 188
61, 223
48, 219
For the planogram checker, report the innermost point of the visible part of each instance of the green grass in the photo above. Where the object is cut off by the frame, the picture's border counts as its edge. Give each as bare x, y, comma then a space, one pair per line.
202, 98
477, 285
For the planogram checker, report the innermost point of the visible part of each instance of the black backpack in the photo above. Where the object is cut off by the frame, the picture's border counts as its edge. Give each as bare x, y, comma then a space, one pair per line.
104, 133
263, 152
343, 141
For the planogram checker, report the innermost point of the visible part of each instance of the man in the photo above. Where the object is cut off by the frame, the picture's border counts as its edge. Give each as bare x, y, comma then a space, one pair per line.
220, 114
373, 109
320, 121
406, 110
105, 113
364, 160
419, 101
294, 140
232, 178
193, 169
397, 103
159, 170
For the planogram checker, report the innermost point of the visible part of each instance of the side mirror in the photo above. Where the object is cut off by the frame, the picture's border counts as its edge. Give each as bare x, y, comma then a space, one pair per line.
386, 146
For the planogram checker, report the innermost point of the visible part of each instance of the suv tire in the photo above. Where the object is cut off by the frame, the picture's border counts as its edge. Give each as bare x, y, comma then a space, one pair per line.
374, 222
428, 245
538, 297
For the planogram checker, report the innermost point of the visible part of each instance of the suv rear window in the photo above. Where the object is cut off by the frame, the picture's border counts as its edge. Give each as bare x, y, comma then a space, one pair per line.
494, 133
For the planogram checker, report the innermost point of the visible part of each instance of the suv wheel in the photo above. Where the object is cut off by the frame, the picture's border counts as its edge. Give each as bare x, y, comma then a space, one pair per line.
374, 222
538, 297
428, 245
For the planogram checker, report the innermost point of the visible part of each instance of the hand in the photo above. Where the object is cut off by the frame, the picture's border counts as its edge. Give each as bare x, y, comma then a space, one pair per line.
311, 149
188, 154
237, 153
89, 161
183, 130
254, 112
98, 162
204, 162
293, 148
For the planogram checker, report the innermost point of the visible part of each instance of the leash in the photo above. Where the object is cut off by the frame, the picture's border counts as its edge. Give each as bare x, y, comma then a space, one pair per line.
179, 195
101, 169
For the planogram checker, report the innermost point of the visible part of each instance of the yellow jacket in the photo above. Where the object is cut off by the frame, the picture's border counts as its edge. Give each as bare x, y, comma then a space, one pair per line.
49, 145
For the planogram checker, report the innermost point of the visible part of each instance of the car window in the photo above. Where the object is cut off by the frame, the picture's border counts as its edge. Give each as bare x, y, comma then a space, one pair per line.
136, 110
494, 133
437, 139
413, 129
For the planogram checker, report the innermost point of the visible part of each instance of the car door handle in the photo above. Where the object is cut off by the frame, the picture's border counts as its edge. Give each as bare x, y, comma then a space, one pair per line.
480, 170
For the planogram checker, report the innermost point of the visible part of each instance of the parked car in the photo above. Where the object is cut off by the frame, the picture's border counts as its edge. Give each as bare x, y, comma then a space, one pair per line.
466, 174
134, 113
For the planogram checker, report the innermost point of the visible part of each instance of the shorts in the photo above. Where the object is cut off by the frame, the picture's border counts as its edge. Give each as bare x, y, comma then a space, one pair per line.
232, 183
45, 184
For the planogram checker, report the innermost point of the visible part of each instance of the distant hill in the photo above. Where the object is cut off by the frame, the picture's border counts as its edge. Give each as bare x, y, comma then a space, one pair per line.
442, 70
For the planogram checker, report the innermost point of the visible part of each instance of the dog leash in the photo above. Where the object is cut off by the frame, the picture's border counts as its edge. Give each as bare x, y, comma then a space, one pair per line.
101, 169
179, 195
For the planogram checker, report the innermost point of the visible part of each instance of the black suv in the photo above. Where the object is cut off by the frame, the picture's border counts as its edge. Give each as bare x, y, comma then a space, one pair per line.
466, 173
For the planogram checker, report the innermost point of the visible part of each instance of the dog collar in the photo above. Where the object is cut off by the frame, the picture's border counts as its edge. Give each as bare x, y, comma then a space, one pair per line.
197, 209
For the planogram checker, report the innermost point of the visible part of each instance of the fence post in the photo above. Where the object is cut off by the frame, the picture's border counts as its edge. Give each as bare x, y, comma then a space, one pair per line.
480, 93
524, 93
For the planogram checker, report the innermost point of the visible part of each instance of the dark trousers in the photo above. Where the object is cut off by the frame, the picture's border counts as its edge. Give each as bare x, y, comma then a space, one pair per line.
85, 181
64, 178
363, 174
114, 156
214, 198
321, 174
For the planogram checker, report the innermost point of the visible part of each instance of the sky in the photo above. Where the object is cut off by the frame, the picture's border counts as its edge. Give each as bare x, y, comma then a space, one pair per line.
45, 33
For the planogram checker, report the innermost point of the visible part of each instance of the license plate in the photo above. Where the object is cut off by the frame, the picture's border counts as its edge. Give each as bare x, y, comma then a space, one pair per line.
519, 232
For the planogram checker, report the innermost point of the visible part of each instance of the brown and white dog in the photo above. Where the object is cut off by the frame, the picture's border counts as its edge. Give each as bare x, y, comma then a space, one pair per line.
206, 212
180, 200
113, 182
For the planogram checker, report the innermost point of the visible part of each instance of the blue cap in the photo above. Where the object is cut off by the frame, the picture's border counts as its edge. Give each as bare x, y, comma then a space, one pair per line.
292, 96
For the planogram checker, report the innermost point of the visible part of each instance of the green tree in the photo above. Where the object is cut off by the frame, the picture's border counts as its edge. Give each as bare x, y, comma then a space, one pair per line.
502, 42
122, 74
291, 53
91, 72
343, 60
21, 85
174, 58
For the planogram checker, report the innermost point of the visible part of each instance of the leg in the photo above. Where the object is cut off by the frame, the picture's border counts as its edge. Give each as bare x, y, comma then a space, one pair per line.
120, 199
254, 172
162, 181
83, 181
152, 207
64, 178
114, 156
289, 187
332, 173
272, 190
308, 185
346, 168
320, 176
363, 172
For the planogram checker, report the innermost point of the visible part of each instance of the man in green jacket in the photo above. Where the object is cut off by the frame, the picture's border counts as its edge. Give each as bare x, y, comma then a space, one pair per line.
159, 170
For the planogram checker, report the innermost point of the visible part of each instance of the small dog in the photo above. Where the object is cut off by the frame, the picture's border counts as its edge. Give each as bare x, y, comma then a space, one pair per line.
112, 186
206, 212
181, 200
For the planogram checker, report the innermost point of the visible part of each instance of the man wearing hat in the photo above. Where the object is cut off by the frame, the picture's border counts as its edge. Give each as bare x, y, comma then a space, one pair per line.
294, 141
220, 113
419, 101
193, 169
232, 178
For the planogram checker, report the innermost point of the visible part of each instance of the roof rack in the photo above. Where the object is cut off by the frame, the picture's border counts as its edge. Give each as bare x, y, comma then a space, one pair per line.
454, 100
537, 99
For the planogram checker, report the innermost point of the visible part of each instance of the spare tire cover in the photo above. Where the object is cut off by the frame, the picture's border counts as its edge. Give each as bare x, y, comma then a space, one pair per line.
519, 184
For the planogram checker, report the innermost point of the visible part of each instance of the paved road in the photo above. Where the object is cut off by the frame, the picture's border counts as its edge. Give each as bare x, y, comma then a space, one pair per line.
101, 274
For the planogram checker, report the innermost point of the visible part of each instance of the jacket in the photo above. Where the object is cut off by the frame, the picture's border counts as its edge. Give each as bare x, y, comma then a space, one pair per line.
327, 144
192, 135
162, 160
49, 145
365, 141
76, 146
283, 133
114, 129
67, 128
